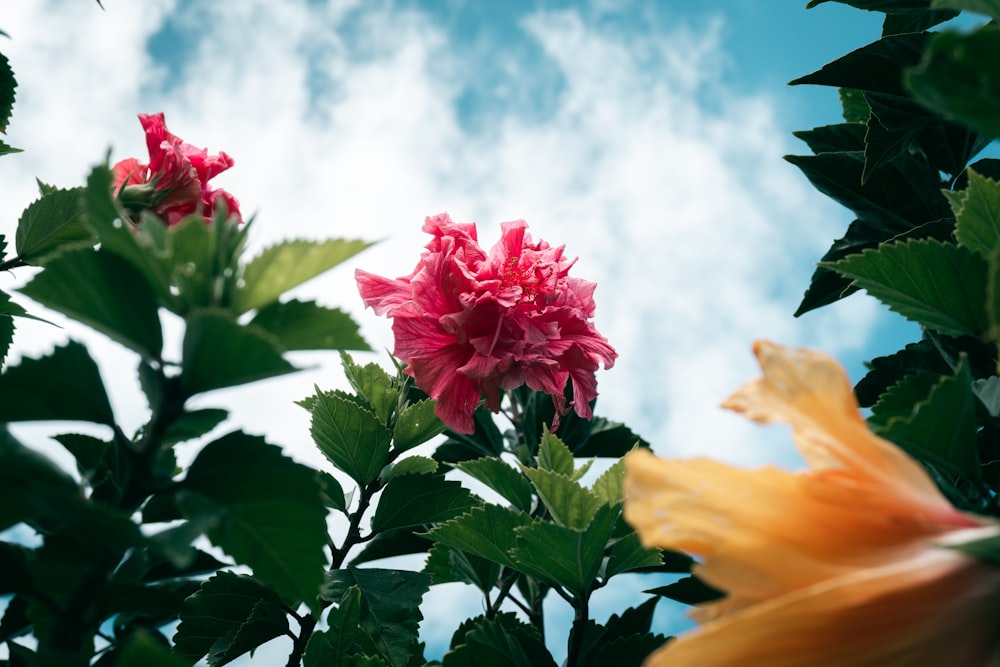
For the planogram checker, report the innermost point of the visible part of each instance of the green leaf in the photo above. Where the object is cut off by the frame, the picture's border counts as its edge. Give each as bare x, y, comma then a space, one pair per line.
7, 149
977, 214
289, 264
688, 590
305, 325
373, 385
446, 565
900, 400
554, 455
887, 6
937, 285
351, 437
392, 543
633, 622
959, 78
50, 224
332, 492
942, 427
143, 649
36, 389
609, 439
988, 392
503, 641
502, 478
840, 138
563, 556
391, 607
855, 107
893, 126
228, 616
345, 638
8, 84
194, 424
630, 651
105, 292
486, 440
273, 517
570, 505
827, 286
416, 500
219, 352
988, 7
486, 531
629, 554
415, 425
15, 621
875, 67
411, 465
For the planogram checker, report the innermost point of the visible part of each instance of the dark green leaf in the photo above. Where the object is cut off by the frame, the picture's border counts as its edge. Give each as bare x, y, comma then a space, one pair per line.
15, 621
352, 438
446, 565
415, 500
990, 8
887, 6
486, 531
8, 84
937, 285
345, 640
486, 440
900, 400
610, 439
688, 590
143, 649
411, 465
959, 78
415, 425
13, 569
840, 138
876, 67
7, 149
563, 556
988, 392
502, 478
105, 292
503, 641
274, 519
228, 616
916, 21
305, 325
194, 424
888, 370
942, 427
854, 108
332, 491
36, 390
51, 224
630, 651
219, 352
390, 544
629, 554
289, 264
893, 126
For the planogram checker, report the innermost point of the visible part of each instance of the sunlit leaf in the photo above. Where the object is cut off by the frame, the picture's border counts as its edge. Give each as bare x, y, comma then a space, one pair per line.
570, 505
554, 455
486, 531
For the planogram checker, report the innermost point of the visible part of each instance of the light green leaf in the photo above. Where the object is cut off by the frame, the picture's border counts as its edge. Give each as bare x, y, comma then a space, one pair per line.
274, 519
415, 425
52, 223
608, 487
35, 389
563, 556
937, 285
105, 292
959, 78
942, 428
289, 264
570, 505
977, 214
554, 455
502, 478
416, 500
228, 616
305, 325
374, 385
486, 531
351, 437
219, 352
411, 465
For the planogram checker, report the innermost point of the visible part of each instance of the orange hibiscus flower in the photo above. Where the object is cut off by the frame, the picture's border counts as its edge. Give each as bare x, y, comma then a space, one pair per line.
842, 565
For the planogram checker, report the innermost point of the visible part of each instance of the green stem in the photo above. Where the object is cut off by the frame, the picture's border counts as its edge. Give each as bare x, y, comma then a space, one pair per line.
581, 608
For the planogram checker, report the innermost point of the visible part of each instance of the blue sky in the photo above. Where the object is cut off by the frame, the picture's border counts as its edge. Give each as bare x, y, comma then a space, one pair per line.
646, 136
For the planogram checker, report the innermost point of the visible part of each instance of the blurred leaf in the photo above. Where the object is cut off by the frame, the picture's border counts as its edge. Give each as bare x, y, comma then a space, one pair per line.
570, 505
274, 519
915, 21
942, 427
487, 531
305, 325
977, 215
374, 385
189, 259
8, 84
7, 149
105, 292
563, 556
486, 440
609, 439
15, 621
854, 106
35, 389
503, 641
143, 649
411, 465
415, 425
502, 478
415, 500
50, 224
608, 487
688, 590
887, 6
352, 438
554, 455
228, 616
219, 352
14, 576
988, 392
288, 264
959, 78
937, 285
988, 7
194, 424
875, 67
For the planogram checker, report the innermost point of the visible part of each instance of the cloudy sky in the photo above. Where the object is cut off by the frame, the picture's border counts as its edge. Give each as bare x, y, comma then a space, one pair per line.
645, 136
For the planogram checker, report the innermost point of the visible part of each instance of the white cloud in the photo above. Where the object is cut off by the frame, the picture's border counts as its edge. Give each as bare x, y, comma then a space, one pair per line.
343, 122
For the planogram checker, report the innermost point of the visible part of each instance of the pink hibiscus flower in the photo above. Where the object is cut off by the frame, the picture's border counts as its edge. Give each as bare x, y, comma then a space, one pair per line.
470, 323
175, 182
